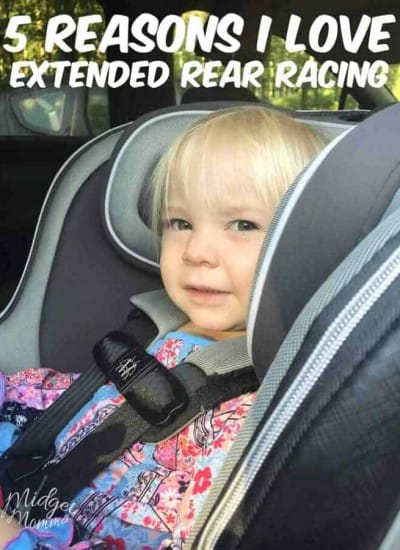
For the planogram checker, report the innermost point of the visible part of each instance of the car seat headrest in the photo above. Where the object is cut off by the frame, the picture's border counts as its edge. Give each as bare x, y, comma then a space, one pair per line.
131, 166
332, 206
228, 93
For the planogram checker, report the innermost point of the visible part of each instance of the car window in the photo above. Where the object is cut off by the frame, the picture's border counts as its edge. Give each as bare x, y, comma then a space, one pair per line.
51, 110
43, 112
304, 96
393, 82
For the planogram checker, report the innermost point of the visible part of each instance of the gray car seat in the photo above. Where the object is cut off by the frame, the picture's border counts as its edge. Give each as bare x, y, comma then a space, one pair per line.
315, 465
92, 250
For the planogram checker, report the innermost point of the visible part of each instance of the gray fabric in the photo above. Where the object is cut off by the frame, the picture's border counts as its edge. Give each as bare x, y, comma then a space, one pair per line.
338, 205
394, 205
87, 279
223, 356
219, 358
328, 130
131, 170
20, 320
341, 276
159, 308
392, 538
276, 230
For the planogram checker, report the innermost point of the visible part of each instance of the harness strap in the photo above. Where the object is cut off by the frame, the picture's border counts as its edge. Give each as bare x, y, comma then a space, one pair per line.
125, 427
38, 439
158, 402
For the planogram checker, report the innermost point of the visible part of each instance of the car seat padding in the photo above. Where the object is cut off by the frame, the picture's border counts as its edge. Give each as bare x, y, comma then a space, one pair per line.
341, 202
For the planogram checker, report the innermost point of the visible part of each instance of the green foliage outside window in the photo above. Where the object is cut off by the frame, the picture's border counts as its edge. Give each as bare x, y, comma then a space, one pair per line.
40, 12
44, 111
290, 98
294, 98
393, 82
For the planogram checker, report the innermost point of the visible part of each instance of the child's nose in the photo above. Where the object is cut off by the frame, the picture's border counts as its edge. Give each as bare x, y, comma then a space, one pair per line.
201, 247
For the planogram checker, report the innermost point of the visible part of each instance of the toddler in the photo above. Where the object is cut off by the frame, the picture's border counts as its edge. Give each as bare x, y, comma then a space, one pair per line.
213, 195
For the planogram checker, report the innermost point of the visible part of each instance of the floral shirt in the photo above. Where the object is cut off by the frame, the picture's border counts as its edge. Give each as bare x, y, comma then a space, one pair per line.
149, 497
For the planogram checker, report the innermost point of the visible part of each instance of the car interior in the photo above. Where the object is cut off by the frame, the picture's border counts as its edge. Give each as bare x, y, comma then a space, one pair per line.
87, 227
328, 479
88, 232
40, 128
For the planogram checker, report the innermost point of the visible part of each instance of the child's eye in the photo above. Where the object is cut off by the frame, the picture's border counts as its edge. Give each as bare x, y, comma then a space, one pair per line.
178, 224
243, 225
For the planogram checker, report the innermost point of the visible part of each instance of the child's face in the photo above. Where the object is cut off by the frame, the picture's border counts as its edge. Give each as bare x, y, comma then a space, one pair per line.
209, 254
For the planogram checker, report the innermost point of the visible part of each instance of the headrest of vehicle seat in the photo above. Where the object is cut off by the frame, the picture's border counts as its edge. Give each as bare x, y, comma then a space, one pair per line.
131, 165
338, 199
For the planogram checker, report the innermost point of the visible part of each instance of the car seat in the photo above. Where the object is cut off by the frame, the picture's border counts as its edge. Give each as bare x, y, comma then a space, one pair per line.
315, 465
320, 469
92, 249
228, 93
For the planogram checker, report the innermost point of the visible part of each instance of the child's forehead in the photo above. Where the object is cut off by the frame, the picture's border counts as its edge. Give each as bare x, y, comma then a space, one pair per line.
218, 172
213, 191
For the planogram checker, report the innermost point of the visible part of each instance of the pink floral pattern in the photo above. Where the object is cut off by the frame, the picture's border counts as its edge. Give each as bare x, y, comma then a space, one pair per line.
37, 388
169, 352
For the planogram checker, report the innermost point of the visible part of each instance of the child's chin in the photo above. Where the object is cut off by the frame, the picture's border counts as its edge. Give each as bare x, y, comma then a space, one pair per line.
205, 324
216, 326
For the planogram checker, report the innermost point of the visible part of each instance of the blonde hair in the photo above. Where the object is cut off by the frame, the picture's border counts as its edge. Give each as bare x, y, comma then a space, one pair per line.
246, 145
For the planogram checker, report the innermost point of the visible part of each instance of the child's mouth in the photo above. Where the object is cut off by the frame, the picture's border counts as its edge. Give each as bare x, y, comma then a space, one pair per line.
200, 293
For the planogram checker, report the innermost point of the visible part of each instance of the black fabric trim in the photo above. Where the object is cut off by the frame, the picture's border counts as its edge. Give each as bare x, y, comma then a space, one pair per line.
89, 285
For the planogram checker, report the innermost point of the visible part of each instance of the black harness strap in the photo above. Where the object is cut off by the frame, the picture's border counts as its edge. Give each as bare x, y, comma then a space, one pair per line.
39, 437
35, 447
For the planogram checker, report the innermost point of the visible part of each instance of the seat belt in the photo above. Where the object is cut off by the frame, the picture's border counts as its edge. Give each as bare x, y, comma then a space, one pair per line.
39, 438
158, 403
